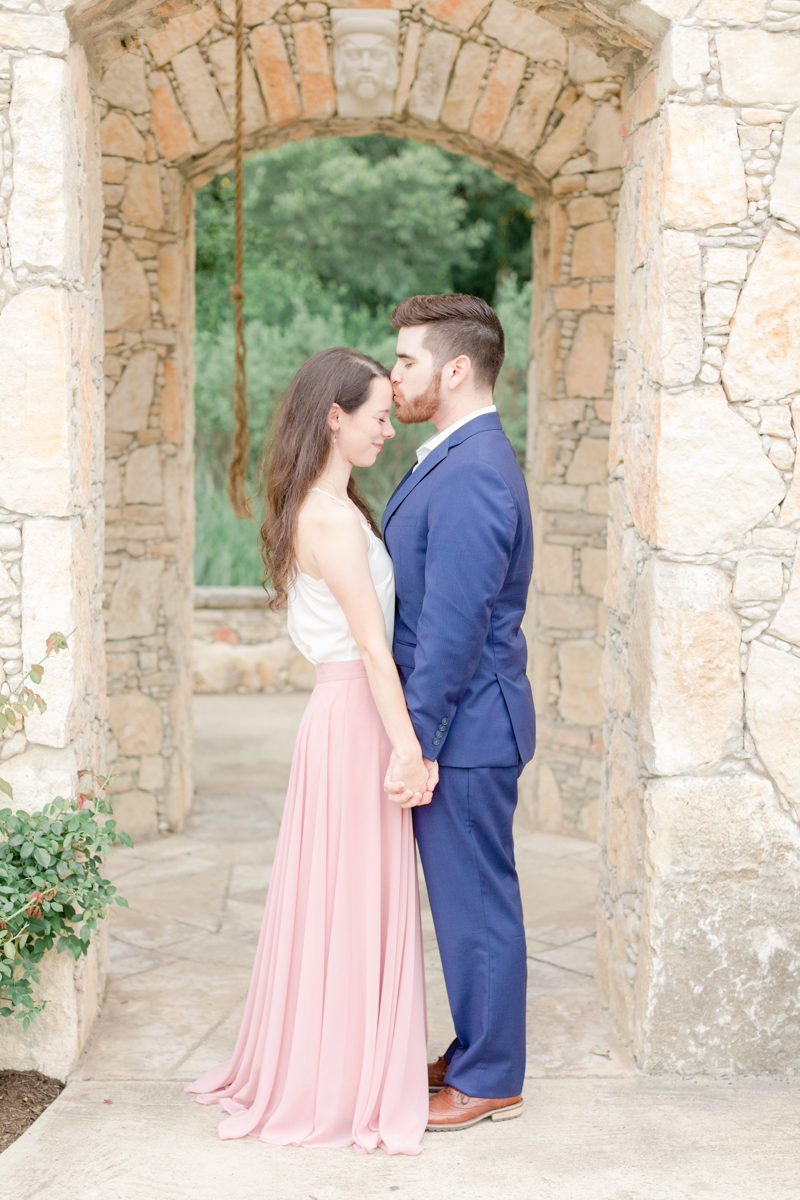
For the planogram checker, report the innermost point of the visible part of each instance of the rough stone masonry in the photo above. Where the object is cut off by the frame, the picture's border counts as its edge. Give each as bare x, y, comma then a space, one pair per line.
660, 144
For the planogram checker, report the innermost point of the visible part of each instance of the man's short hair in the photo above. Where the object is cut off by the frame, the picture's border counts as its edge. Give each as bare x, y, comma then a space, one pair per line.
458, 325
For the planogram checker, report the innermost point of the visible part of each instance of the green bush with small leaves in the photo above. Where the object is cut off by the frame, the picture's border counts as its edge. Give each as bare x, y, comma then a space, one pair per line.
52, 893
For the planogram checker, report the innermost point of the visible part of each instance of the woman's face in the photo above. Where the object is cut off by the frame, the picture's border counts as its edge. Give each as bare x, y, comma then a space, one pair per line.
362, 433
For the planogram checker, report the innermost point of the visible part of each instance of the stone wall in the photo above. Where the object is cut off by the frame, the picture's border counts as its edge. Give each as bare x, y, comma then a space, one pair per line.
51, 465
699, 936
240, 645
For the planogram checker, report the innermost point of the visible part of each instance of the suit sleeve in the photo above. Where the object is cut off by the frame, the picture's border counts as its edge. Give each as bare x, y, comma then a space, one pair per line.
472, 524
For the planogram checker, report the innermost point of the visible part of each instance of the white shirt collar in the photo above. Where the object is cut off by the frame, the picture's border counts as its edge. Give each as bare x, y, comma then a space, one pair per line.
436, 440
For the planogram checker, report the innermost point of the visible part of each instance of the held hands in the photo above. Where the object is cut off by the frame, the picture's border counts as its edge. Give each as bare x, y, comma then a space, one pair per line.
410, 780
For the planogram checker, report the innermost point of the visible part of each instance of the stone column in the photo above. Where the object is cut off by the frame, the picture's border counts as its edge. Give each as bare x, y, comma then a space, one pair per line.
149, 303
51, 466
699, 929
569, 414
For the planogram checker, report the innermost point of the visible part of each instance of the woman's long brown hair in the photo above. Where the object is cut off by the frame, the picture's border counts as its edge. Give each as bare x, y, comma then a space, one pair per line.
299, 449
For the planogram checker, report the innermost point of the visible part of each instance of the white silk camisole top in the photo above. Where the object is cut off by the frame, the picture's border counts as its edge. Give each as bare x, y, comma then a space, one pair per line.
316, 623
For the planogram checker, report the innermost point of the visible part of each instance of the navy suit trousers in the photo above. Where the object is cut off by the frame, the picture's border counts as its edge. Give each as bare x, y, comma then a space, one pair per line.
465, 842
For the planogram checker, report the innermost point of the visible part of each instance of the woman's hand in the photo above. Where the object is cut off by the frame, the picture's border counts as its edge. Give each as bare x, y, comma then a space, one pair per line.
411, 779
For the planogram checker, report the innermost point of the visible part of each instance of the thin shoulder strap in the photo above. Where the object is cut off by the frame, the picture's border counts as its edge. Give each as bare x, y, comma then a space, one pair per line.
330, 497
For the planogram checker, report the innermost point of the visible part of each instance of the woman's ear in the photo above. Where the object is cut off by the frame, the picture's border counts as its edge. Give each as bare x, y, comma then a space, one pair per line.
334, 417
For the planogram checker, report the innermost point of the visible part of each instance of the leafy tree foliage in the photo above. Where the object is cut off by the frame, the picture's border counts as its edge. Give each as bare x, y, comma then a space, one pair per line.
337, 232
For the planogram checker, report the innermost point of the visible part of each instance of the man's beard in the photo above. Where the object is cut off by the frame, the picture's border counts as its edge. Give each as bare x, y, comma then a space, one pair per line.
416, 409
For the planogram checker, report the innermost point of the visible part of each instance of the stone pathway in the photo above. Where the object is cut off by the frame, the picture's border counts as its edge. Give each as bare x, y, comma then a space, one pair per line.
181, 957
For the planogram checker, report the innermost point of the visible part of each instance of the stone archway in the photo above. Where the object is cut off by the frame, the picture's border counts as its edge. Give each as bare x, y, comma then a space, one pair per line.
701, 688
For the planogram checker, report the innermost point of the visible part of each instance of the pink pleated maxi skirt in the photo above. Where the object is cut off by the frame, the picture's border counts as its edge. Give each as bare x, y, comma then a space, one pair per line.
331, 1050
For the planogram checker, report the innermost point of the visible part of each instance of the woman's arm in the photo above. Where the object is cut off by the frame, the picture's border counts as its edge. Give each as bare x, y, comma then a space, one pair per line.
334, 538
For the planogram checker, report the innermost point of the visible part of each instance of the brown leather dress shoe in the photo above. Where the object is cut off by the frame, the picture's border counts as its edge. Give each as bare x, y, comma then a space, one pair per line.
451, 1109
436, 1074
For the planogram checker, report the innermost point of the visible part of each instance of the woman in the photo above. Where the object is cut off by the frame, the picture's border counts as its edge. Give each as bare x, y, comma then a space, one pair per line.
331, 1050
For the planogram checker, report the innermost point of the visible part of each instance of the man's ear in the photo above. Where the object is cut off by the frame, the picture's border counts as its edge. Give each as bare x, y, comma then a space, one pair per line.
457, 371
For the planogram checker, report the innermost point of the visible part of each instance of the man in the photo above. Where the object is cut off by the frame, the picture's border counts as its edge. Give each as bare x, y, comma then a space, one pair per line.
458, 529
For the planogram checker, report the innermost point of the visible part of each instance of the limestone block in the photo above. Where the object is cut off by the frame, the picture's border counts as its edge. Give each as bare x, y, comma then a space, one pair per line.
684, 667
565, 138
593, 251
786, 622
790, 510
763, 358
135, 813
462, 94
120, 138
436, 57
172, 132
776, 421
567, 612
58, 552
579, 673
758, 577
135, 721
524, 31
725, 264
181, 32
41, 774
587, 210
785, 193
684, 60
142, 204
594, 568
408, 66
73, 992
772, 688
201, 101
170, 281
719, 942
553, 568
672, 10
758, 66
703, 177
624, 815
135, 600
604, 139
713, 480
589, 462
170, 399
275, 74
590, 356
35, 428
223, 59
43, 218
143, 484
674, 339
497, 97
124, 84
27, 31
719, 305
549, 809
316, 78
460, 13
529, 116
126, 294
586, 67
151, 772
129, 404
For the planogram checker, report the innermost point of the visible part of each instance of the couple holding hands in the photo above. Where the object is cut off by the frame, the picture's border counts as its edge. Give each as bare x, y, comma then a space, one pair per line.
418, 727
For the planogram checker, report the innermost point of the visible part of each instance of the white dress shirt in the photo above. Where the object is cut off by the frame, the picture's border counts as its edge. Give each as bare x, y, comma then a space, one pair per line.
424, 450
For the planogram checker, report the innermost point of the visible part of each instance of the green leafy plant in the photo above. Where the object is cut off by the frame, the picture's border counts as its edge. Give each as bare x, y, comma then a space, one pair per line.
51, 890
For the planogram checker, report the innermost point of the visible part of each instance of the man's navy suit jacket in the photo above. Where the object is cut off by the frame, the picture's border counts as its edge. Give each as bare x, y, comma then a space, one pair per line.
459, 533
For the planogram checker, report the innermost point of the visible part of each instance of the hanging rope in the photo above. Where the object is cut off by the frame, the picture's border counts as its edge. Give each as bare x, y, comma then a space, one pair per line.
237, 469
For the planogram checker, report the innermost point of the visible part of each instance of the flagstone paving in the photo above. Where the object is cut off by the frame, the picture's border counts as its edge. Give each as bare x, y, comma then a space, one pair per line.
180, 965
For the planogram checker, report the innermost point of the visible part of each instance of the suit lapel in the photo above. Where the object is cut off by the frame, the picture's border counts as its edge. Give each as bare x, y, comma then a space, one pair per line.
407, 485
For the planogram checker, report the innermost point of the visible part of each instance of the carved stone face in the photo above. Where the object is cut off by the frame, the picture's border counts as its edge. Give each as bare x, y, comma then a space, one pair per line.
366, 65
365, 60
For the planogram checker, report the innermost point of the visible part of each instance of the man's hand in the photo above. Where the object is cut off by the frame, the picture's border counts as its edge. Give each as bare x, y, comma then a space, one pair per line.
395, 786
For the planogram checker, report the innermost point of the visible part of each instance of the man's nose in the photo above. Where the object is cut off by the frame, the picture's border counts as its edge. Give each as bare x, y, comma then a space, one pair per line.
395, 375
